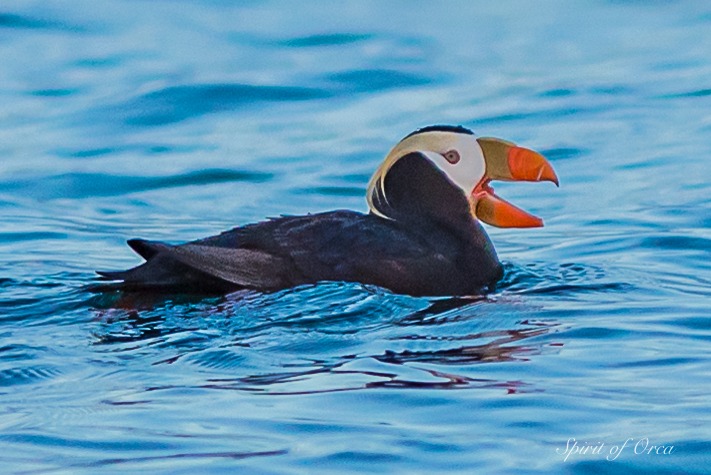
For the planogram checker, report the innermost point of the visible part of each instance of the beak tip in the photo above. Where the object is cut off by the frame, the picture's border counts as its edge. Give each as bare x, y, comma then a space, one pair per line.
548, 174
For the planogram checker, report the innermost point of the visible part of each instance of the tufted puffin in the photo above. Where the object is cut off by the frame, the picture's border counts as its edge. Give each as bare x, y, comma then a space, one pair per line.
422, 235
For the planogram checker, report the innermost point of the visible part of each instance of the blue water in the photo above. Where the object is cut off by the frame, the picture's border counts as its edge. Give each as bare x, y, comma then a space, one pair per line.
177, 120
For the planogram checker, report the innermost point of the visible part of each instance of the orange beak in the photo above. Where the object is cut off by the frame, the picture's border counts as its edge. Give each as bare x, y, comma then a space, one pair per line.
508, 162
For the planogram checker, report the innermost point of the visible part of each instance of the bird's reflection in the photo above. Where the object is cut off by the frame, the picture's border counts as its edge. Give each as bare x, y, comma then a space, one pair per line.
427, 345
502, 348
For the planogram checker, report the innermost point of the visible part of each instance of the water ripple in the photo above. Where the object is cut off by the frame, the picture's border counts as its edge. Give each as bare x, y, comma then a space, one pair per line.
21, 22
14, 376
81, 185
329, 334
370, 80
332, 191
54, 92
563, 153
144, 149
177, 103
694, 93
331, 39
567, 278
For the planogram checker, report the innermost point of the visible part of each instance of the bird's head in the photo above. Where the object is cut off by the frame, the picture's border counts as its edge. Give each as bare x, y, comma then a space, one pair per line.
437, 167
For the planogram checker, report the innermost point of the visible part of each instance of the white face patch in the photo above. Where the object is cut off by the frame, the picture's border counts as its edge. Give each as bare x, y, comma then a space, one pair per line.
469, 170
464, 173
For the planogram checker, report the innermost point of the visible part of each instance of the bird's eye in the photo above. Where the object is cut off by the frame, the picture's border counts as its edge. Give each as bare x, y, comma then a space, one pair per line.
452, 156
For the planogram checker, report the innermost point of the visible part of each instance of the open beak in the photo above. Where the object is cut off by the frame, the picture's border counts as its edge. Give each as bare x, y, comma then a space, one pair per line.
508, 162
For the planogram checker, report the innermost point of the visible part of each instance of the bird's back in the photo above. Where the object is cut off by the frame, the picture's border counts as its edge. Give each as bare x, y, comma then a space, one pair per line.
333, 246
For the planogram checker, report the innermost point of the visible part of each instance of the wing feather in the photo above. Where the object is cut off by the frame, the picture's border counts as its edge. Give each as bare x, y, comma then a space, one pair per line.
180, 266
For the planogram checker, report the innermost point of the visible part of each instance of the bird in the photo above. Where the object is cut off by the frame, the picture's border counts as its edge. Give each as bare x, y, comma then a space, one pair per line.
422, 234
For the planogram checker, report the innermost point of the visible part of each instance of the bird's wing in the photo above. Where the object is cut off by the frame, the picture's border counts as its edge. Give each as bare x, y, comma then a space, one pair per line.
289, 251
186, 264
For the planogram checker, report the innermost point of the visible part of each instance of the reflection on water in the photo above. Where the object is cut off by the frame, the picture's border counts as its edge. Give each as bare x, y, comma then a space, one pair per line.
136, 329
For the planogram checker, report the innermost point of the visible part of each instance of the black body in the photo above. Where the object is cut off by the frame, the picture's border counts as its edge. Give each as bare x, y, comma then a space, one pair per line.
429, 244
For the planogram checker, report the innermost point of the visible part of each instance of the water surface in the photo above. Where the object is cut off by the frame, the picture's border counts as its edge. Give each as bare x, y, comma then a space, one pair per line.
176, 120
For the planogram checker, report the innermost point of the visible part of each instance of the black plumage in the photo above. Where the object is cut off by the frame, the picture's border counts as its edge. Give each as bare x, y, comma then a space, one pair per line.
457, 129
429, 244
